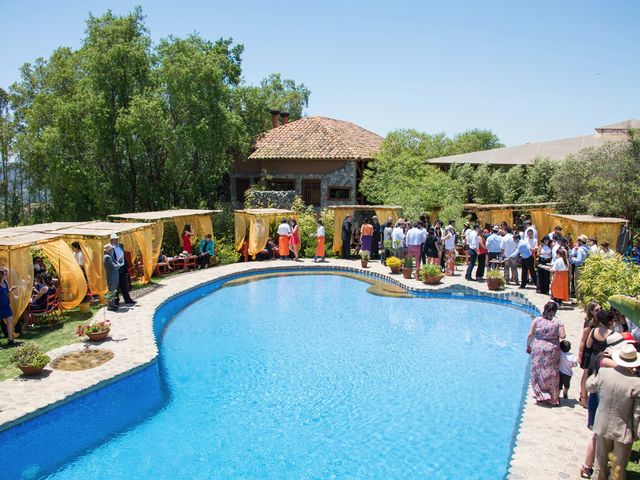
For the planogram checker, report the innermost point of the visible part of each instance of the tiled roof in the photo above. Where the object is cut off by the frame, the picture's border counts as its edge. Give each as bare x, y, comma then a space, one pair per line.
317, 138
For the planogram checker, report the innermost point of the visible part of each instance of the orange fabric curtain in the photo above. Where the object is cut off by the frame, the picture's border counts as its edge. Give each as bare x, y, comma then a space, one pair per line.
93, 250
20, 266
72, 282
339, 215
240, 229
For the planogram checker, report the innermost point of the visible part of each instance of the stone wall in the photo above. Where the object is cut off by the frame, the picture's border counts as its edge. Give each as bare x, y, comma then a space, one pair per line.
343, 177
272, 199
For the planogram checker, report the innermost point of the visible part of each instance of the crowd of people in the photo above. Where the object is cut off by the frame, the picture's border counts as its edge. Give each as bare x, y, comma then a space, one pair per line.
609, 383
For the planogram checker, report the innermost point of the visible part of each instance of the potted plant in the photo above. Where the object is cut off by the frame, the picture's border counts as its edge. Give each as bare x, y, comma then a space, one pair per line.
407, 267
85, 307
364, 258
96, 331
30, 359
495, 280
395, 264
431, 274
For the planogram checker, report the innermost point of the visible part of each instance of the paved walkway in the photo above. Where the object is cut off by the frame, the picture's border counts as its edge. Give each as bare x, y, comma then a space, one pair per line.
550, 444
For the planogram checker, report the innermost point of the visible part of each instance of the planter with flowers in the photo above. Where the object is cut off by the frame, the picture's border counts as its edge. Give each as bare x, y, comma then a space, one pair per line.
30, 359
495, 280
96, 331
407, 267
431, 274
364, 258
395, 264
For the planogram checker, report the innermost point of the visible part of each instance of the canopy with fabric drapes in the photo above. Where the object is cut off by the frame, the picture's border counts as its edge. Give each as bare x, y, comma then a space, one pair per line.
15, 254
604, 229
495, 214
198, 219
542, 221
259, 220
340, 212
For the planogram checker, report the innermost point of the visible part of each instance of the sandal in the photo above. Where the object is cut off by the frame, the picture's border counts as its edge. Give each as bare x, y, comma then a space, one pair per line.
586, 472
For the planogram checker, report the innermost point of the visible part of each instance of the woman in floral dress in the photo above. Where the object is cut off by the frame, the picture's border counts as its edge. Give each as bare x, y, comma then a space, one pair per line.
543, 343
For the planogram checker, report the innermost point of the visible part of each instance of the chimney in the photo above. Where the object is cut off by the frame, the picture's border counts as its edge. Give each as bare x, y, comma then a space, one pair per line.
285, 117
274, 118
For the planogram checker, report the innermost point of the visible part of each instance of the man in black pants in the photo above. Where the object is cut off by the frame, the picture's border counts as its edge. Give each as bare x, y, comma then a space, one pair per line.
124, 282
346, 237
526, 258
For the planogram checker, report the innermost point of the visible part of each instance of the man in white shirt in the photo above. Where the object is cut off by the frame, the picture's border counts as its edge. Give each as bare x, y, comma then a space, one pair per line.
529, 226
471, 236
415, 239
494, 246
509, 246
284, 232
396, 239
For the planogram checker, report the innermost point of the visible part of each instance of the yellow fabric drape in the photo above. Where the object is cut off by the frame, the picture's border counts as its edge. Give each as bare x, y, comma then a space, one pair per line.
156, 243
205, 227
495, 217
383, 214
93, 250
240, 229
20, 266
604, 232
72, 282
541, 220
143, 240
339, 215
258, 234
180, 223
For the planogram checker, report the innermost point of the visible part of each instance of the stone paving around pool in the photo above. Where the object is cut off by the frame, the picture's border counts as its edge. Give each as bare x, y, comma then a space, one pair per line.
550, 444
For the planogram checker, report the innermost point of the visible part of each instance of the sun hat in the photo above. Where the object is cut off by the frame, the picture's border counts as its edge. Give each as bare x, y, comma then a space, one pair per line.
108, 247
627, 356
583, 238
495, 228
113, 236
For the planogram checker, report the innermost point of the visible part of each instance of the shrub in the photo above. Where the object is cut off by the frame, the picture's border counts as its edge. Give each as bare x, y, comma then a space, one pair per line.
393, 262
602, 277
430, 271
407, 262
226, 252
364, 254
29, 355
496, 274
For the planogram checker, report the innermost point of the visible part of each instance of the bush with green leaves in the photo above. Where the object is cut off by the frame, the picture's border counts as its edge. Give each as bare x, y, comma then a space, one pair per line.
225, 250
601, 277
429, 270
29, 355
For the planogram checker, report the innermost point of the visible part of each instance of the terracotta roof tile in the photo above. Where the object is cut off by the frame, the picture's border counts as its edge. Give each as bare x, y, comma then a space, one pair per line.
317, 138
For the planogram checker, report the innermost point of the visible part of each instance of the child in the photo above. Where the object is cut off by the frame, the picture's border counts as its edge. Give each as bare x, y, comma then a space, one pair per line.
567, 362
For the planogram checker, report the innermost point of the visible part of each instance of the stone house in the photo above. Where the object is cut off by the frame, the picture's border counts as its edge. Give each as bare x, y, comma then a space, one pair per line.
320, 158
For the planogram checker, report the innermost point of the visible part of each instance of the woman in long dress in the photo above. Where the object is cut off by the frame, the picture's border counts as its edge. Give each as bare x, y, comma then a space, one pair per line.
295, 239
6, 315
366, 235
544, 258
543, 343
560, 282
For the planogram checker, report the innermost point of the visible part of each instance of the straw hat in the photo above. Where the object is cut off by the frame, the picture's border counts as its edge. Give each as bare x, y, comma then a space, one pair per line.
108, 247
495, 228
583, 238
113, 236
627, 356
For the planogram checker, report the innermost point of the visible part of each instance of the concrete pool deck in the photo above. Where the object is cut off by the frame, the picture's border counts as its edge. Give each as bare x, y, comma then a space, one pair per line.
550, 444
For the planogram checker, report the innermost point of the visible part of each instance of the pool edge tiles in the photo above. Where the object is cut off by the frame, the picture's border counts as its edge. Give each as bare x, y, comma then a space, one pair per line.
204, 284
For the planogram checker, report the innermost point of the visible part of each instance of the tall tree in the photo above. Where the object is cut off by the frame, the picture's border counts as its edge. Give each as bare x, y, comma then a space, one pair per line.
6, 144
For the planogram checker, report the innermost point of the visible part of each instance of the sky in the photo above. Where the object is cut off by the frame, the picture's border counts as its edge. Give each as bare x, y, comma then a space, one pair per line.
529, 71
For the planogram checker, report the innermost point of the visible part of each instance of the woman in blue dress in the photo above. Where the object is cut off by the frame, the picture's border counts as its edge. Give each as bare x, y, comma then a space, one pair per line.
5, 306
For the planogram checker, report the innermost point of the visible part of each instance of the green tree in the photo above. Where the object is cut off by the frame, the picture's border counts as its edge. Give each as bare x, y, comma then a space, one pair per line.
472, 141
463, 173
538, 185
514, 183
7, 138
408, 181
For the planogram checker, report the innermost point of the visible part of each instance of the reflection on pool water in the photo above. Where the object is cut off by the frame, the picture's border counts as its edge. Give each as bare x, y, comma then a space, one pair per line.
304, 377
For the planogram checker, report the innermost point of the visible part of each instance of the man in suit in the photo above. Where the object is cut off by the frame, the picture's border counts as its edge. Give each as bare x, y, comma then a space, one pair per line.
124, 282
346, 237
111, 270
618, 414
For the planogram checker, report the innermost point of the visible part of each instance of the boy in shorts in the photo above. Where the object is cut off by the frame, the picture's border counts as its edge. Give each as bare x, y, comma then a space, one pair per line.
567, 362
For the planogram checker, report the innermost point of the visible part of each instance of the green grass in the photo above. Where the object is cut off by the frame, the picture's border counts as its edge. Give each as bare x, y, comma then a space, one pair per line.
633, 468
47, 337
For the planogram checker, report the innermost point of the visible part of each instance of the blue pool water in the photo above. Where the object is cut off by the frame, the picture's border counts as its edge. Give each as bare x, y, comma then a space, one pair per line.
302, 377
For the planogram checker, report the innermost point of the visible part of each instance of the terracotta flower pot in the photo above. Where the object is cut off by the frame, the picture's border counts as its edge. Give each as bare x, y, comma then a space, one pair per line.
30, 371
98, 336
432, 279
407, 272
395, 270
84, 307
364, 263
493, 283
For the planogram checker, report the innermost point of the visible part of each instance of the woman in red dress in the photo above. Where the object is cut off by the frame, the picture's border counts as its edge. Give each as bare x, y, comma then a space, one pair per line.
186, 239
295, 239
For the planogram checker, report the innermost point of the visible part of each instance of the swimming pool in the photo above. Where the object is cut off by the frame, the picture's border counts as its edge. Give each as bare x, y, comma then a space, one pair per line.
300, 377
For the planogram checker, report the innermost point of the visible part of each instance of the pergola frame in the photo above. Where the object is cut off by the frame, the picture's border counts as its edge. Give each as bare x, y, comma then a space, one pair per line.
340, 212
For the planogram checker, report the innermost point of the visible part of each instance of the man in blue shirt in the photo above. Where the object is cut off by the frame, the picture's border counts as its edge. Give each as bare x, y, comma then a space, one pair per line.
577, 258
526, 258
206, 251
494, 246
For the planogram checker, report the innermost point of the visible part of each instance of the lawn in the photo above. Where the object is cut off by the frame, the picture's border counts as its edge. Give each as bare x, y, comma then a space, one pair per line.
48, 338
